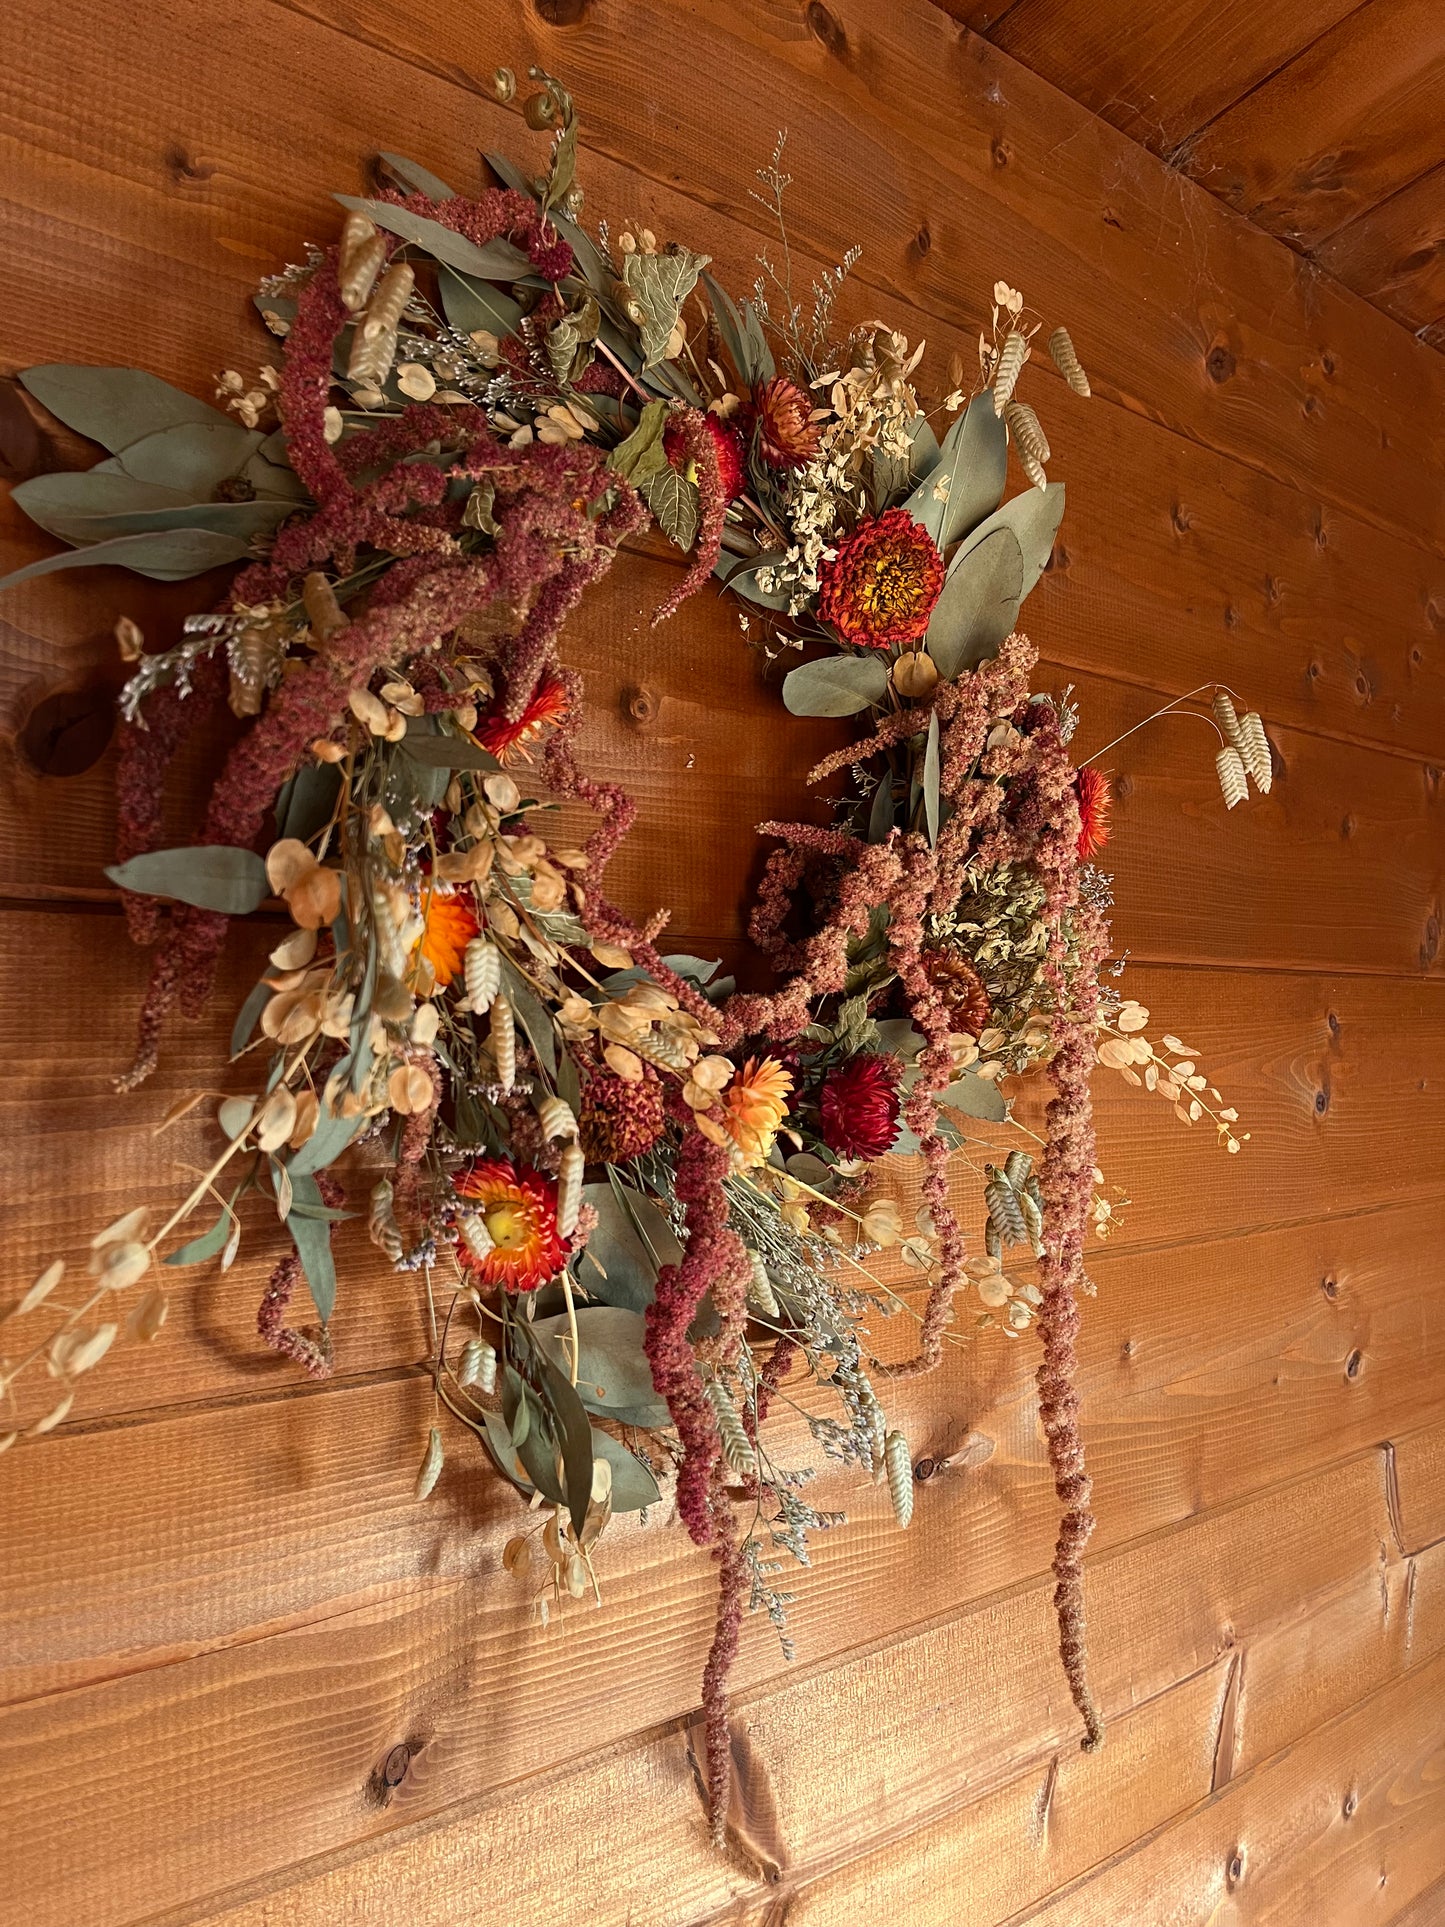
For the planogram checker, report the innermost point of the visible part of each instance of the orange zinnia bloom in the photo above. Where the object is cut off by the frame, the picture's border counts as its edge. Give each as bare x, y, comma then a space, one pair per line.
754, 1105
451, 923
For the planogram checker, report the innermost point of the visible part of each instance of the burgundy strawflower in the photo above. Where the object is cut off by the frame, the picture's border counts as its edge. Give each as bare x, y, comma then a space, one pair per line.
728, 446
859, 1104
787, 435
880, 587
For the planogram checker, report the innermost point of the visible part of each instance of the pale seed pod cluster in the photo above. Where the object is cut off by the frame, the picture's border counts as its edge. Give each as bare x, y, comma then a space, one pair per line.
1245, 754
373, 346
472, 1228
569, 1187
381, 1222
359, 260
482, 973
503, 1041
1232, 779
760, 1287
1066, 360
1012, 356
900, 1477
737, 1446
478, 1365
1030, 442
557, 1119
431, 1466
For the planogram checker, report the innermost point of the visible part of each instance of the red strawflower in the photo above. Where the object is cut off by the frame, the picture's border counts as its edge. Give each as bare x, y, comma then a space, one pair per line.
519, 1208
881, 586
859, 1106
787, 434
1096, 799
495, 733
729, 448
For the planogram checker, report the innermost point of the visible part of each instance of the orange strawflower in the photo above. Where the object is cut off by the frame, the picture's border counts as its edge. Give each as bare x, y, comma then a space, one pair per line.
519, 1208
1096, 799
754, 1105
549, 704
451, 923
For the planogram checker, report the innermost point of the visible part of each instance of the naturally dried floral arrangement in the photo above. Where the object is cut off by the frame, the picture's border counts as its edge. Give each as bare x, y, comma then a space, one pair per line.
643, 1197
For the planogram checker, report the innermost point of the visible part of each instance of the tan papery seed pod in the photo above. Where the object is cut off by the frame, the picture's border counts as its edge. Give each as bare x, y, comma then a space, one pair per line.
431, 1465
557, 1119
737, 1446
1033, 468
1224, 715
1066, 360
381, 1222
900, 1476
1232, 779
1012, 356
373, 345
148, 1316
255, 654
1254, 752
569, 1187
760, 1287
915, 673
472, 1227
324, 613
359, 260
503, 1040
482, 974
129, 639
1027, 431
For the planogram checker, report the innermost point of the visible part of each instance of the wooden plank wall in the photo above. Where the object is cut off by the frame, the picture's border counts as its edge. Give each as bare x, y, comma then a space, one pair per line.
228, 1629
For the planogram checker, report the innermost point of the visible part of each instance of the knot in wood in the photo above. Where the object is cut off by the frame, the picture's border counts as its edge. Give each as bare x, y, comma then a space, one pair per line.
826, 29
66, 732
1219, 363
640, 704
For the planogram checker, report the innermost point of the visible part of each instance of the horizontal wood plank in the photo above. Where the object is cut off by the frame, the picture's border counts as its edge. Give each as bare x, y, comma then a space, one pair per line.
1394, 254
1340, 128
1419, 1473
1342, 1828
299, 1722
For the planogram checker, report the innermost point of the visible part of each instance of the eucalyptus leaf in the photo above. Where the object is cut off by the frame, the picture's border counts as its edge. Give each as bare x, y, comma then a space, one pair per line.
574, 1436
114, 406
499, 1444
530, 1014
979, 605
240, 521
312, 1239
930, 781
612, 1368
620, 1262
497, 261
741, 575
900, 1037
880, 811
470, 304
274, 481
249, 1016
212, 876
194, 457
168, 556
415, 179
310, 801
426, 745
762, 355
633, 1486
1034, 518
836, 685
210, 1244
976, 1097
326, 1143
967, 482
59, 502
732, 328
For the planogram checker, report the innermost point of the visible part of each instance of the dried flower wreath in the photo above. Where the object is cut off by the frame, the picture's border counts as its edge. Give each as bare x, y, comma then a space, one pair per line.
647, 1193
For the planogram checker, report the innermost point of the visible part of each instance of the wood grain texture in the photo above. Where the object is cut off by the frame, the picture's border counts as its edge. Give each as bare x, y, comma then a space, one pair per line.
1353, 119
1159, 74
281, 1735
1394, 254
226, 1628
1335, 1832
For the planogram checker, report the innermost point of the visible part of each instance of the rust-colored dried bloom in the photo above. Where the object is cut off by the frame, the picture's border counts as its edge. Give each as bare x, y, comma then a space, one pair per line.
518, 1205
503, 736
787, 435
961, 989
881, 586
859, 1106
1096, 799
621, 1120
